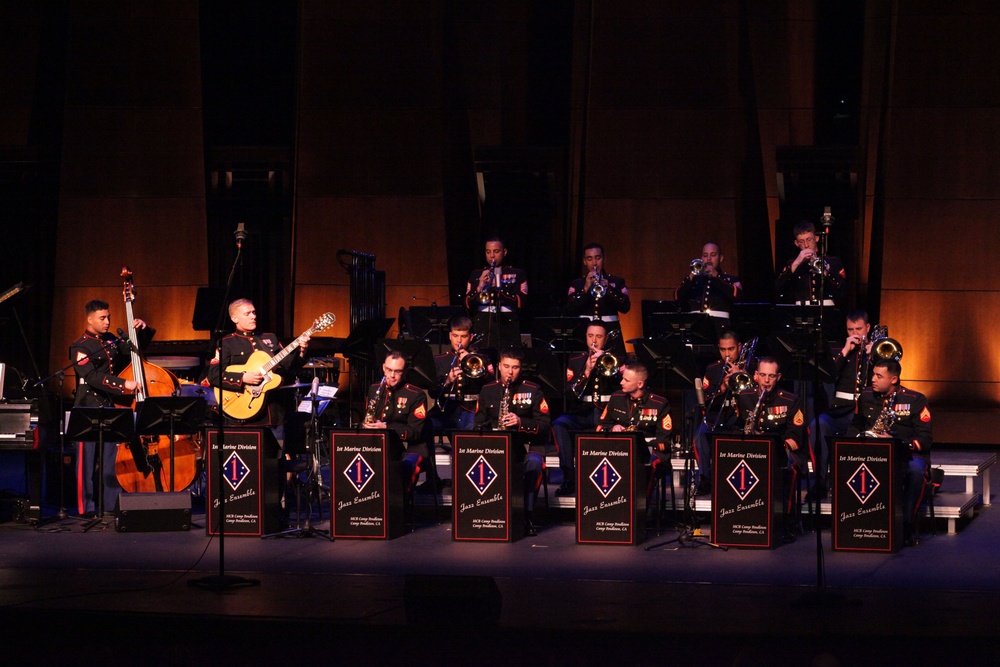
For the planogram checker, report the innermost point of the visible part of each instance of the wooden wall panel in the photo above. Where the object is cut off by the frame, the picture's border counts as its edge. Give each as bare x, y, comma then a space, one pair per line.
941, 211
665, 137
965, 147
369, 152
369, 160
655, 241
132, 175
920, 251
20, 25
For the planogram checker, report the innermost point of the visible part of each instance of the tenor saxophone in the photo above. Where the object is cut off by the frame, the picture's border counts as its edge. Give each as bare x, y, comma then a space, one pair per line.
504, 408
370, 411
886, 418
750, 425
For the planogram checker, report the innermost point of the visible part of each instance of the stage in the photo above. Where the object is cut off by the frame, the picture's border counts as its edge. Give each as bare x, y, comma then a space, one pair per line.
101, 596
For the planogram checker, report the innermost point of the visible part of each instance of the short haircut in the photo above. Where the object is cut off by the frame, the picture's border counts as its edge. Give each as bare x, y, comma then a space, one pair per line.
803, 226
729, 334
597, 323
512, 353
891, 365
593, 245
717, 247
396, 354
858, 315
95, 305
495, 239
640, 370
236, 304
460, 323
768, 360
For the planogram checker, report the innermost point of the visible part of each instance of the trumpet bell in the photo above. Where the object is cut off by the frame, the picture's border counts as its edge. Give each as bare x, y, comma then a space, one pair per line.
607, 365
741, 382
697, 267
473, 366
887, 348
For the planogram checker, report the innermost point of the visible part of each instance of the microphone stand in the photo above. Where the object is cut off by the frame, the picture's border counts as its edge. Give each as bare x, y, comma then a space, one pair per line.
312, 482
62, 513
223, 581
821, 596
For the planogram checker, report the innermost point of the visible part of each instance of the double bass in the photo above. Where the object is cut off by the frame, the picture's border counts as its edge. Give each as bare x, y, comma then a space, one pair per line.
161, 472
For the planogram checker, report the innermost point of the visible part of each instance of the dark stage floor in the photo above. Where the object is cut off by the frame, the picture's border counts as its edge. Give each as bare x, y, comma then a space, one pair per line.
70, 597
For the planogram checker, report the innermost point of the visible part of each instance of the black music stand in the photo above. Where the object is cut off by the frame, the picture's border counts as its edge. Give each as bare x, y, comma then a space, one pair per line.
96, 424
562, 336
691, 328
171, 416
751, 320
419, 360
672, 364
430, 323
541, 365
565, 330
800, 357
359, 349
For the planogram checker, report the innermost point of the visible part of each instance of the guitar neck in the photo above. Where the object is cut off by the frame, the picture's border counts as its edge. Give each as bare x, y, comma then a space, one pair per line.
285, 351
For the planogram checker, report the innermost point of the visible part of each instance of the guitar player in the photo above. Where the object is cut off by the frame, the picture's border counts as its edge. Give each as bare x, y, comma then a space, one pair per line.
236, 349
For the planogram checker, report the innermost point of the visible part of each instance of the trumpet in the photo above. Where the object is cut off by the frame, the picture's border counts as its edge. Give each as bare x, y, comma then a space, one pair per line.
598, 289
818, 265
697, 267
485, 296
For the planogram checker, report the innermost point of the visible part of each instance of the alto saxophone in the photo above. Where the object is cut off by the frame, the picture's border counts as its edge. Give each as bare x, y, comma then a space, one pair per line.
370, 411
504, 408
886, 418
750, 425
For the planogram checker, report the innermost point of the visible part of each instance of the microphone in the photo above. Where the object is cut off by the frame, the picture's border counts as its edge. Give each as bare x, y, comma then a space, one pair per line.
827, 220
241, 235
122, 341
314, 390
699, 392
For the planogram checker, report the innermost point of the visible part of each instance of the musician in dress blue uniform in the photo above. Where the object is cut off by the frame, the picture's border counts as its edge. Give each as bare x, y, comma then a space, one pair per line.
889, 410
98, 357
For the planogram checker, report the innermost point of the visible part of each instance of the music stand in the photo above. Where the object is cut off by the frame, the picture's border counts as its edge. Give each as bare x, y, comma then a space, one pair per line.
672, 364
751, 320
540, 364
359, 349
798, 359
430, 323
693, 328
565, 331
171, 416
419, 360
94, 424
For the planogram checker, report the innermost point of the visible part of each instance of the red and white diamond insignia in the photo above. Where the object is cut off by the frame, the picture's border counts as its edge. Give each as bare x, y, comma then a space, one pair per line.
605, 477
481, 474
863, 483
235, 471
359, 473
742, 480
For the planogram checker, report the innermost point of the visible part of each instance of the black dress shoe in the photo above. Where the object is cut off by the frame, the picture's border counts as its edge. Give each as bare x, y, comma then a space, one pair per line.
567, 488
530, 530
816, 493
